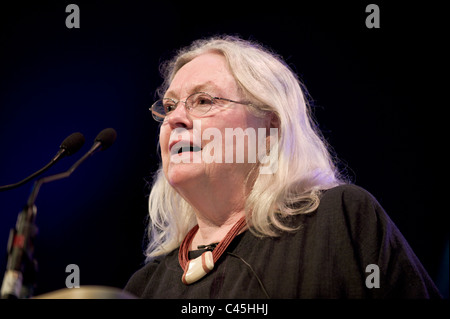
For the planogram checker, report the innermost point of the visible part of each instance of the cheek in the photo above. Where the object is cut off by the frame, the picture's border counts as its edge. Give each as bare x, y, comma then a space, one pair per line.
164, 137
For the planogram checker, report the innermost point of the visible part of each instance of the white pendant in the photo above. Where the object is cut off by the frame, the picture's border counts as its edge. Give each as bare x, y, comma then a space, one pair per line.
198, 268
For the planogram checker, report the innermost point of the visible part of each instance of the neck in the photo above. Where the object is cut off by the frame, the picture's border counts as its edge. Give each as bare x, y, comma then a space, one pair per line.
213, 232
218, 206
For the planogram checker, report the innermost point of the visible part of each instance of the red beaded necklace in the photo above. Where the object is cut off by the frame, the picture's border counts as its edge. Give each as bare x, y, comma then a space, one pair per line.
197, 268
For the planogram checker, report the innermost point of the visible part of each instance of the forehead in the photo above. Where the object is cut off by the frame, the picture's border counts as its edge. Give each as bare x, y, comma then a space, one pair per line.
208, 72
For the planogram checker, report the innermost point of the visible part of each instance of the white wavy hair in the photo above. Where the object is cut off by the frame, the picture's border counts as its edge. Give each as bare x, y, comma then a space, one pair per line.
305, 165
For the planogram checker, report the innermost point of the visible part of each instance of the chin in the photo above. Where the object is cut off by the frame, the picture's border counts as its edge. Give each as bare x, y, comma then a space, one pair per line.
182, 174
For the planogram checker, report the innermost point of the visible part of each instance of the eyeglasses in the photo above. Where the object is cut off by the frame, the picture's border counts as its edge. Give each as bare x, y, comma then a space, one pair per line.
197, 104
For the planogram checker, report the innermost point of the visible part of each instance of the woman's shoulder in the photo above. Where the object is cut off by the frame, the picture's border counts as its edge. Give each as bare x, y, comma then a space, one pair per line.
347, 192
350, 198
353, 206
138, 281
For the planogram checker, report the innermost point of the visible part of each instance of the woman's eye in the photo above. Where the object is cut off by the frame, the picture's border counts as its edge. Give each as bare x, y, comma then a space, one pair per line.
169, 107
203, 101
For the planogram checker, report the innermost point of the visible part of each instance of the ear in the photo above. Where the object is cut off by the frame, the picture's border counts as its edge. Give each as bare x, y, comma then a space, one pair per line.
273, 121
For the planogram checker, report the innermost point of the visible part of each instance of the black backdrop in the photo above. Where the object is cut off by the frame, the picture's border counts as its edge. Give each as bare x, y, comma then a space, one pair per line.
373, 94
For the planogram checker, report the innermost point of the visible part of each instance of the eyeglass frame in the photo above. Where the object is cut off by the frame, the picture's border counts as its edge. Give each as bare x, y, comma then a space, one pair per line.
189, 108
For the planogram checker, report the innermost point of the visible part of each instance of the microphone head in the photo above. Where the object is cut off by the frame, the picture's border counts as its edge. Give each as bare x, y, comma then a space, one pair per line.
72, 143
106, 137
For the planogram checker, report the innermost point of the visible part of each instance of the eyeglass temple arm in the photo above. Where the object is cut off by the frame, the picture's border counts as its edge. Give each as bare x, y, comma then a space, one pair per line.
157, 113
224, 99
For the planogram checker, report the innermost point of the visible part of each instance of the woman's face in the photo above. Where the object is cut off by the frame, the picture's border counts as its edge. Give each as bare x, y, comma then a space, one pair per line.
206, 73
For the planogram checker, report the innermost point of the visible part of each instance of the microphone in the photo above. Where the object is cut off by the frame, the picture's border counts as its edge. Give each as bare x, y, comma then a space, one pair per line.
69, 146
103, 141
20, 272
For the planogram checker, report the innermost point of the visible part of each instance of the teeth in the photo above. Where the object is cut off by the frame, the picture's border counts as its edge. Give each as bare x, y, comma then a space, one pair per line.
181, 147
189, 149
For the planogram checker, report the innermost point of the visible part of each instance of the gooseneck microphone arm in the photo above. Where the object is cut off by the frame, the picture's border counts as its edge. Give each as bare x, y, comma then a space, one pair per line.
103, 140
39, 182
69, 146
19, 278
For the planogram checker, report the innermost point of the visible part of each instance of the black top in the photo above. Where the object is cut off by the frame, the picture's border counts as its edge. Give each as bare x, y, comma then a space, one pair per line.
326, 258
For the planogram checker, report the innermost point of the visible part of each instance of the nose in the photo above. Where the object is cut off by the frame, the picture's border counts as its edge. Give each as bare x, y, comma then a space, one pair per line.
180, 117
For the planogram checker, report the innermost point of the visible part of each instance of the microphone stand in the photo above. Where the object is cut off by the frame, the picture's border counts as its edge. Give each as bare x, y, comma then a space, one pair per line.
21, 270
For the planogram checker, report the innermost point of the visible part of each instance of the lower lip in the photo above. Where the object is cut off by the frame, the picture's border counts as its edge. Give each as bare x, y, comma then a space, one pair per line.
184, 157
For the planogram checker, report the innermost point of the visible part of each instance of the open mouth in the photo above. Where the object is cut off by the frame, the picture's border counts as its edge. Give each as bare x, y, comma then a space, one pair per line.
183, 147
189, 149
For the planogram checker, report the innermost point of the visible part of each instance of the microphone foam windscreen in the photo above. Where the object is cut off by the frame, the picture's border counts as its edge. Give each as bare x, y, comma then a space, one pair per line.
73, 143
106, 137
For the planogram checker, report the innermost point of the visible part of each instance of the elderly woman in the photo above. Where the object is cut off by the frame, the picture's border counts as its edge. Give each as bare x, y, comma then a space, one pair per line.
248, 202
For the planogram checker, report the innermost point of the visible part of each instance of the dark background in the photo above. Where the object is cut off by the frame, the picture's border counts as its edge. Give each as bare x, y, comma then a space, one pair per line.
374, 95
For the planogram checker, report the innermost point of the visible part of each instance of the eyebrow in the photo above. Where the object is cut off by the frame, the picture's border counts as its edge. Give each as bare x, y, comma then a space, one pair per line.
207, 87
